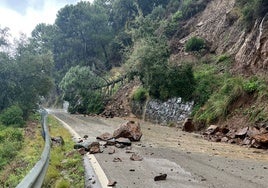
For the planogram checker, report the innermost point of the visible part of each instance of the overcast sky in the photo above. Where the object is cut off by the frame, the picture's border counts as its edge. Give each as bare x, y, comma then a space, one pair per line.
24, 15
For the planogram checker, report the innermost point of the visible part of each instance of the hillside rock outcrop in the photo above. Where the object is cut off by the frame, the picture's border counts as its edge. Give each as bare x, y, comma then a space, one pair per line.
220, 25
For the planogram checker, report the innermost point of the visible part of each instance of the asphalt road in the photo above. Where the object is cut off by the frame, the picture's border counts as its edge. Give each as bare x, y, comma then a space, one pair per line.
187, 159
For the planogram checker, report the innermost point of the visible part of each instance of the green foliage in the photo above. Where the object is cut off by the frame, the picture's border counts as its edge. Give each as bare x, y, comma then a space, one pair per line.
78, 88
207, 82
10, 143
66, 166
94, 103
140, 94
251, 10
162, 81
12, 116
224, 58
195, 44
217, 106
251, 85
83, 35
24, 77
62, 184
192, 7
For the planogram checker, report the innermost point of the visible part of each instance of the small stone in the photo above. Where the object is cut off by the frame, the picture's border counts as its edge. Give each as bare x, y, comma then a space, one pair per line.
136, 157
111, 151
82, 151
132, 170
111, 183
117, 159
160, 177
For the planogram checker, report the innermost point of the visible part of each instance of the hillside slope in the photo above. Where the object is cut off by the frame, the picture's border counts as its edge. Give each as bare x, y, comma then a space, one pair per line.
220, 25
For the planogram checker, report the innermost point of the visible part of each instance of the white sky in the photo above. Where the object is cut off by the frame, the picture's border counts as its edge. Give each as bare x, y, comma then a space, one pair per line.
21, 16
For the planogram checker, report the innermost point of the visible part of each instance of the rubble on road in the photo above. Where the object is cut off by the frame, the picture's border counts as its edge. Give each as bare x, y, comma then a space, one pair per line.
256, 137
121, 138
88, 146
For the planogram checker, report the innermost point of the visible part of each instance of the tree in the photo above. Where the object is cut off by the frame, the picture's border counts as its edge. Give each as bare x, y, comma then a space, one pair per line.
149, 61
78, 86
42, 38
83, 36
24, 77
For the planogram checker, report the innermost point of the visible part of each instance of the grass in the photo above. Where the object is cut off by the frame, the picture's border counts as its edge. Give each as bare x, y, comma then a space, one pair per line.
25, 157
66, 168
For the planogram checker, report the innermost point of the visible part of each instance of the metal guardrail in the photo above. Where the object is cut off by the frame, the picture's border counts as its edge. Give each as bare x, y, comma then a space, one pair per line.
35, 177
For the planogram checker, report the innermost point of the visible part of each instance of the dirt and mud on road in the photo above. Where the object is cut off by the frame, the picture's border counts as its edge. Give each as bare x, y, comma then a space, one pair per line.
186, 158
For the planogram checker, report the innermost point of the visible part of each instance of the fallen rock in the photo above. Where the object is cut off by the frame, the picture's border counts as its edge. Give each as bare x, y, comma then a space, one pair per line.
82, 151
261, 138
105, 136
117, 159
111, 183
224, 139
94, 148
111, 151
252, 131
188, 125
110, 142
130, 129
241, 133
118, 145
91, 147
160, 177
212, 129
124, 141
246, 141
136, 157
57, 141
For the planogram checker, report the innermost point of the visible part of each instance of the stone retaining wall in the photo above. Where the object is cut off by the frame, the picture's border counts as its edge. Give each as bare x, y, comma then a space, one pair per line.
172, 111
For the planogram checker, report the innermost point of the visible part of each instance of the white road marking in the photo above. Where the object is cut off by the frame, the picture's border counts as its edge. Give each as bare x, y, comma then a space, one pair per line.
93, 161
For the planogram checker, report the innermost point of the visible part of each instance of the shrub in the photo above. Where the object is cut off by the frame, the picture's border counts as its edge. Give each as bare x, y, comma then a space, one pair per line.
12, 116
10, 143
195, 44
140, 94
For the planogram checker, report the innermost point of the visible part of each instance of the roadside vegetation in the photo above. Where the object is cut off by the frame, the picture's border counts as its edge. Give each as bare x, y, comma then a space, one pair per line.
20, 149
66, 168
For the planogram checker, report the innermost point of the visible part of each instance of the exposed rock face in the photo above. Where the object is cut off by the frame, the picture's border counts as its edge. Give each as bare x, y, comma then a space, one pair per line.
253, 55
219, 24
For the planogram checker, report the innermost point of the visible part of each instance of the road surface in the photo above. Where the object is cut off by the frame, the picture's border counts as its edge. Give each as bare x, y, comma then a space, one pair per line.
187, 159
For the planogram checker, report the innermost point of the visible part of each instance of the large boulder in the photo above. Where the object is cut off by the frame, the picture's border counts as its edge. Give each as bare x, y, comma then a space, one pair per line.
188, 125
130, 130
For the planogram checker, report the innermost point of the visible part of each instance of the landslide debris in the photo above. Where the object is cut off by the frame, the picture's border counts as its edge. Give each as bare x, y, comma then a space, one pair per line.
119, 105
255, 136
